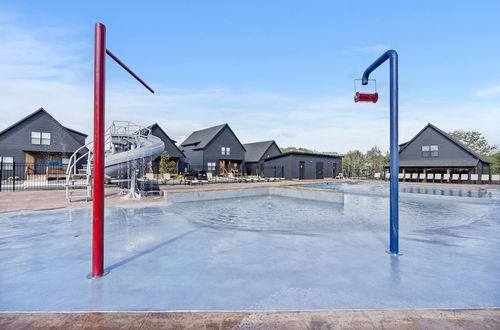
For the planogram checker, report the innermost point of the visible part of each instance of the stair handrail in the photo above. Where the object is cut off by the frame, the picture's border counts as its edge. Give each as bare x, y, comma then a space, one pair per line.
118, 127
73, 160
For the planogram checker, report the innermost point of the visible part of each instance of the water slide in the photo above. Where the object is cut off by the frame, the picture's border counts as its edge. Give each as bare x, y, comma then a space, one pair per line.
129, 147
130, 151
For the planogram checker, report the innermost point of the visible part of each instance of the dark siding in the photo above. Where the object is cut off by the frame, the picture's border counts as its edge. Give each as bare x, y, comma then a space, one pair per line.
170, 147
291, 164
448, 150
272, 151
284, 163
18, 139
212, 153
194, 158
253, 168
78, 137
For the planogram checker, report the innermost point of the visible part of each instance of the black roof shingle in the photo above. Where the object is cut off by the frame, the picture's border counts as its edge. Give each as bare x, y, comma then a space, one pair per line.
202, 138
256, 150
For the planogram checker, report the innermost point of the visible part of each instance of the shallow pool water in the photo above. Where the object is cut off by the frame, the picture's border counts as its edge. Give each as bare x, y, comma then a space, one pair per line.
382, 189
256, 253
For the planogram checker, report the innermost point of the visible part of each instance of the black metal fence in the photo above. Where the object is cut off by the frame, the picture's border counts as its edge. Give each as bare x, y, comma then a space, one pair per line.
23, 177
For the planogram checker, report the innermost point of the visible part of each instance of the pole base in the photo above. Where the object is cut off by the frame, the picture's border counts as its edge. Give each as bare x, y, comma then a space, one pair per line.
91, 277
393, 254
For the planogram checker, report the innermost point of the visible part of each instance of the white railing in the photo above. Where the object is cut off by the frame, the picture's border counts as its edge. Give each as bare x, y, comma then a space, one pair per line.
73, 160
127, 128
117, 128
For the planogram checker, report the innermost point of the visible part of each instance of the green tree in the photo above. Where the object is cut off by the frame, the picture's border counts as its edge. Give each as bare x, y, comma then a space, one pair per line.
495, 163
299, 149
166, 164
476, 141
375, 161
354, 164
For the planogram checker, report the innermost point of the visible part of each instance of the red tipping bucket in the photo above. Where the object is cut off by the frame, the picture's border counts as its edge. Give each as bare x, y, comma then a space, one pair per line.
367, 92
366, 97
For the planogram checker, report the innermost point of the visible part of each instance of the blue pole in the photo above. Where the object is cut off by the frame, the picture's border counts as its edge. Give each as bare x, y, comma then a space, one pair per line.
392, 56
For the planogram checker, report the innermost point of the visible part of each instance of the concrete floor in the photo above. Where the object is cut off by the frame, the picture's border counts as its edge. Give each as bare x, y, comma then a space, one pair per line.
355, 319
349, 319
25, 201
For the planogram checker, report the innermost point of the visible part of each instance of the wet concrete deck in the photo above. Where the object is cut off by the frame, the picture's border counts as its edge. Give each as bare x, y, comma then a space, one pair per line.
354, 319
25, 201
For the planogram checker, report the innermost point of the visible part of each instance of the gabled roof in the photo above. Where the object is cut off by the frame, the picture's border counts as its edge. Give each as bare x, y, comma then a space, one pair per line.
256, 150
75, 131
41, 110
161, 129
202, 138
449, 137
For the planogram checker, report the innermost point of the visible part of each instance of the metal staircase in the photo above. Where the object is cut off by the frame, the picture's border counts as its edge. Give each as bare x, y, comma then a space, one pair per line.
79, 174
121, 136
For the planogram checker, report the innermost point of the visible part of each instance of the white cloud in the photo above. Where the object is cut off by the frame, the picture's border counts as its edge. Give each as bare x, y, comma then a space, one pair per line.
488, 92
49, 75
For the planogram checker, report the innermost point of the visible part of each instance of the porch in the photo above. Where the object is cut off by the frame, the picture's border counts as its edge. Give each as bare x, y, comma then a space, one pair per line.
46, 165
227, 166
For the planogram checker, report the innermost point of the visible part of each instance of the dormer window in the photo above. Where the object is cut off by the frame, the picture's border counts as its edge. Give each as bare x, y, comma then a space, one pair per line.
40, 138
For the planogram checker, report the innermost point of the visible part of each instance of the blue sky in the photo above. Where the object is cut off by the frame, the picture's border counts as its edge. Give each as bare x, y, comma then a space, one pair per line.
278, 70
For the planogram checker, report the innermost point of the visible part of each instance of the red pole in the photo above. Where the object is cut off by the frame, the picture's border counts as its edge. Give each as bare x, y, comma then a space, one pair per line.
98, 185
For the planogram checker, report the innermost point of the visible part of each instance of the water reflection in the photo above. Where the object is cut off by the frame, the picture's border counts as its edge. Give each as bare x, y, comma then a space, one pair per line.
395, 275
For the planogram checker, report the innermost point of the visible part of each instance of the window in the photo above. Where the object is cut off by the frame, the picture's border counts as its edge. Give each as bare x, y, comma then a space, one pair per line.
228, 151
40, 138
426, 151
434, 151
36, 137
223, 150
430, 151
7, 162
210, 166
46, 139
65, 162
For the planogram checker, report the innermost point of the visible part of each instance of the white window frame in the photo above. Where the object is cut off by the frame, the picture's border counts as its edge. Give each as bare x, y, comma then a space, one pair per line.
211, 166
7, 162
228, 151
36, 137
223, 150
434, 150
41, 138
46, 137
427, 150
